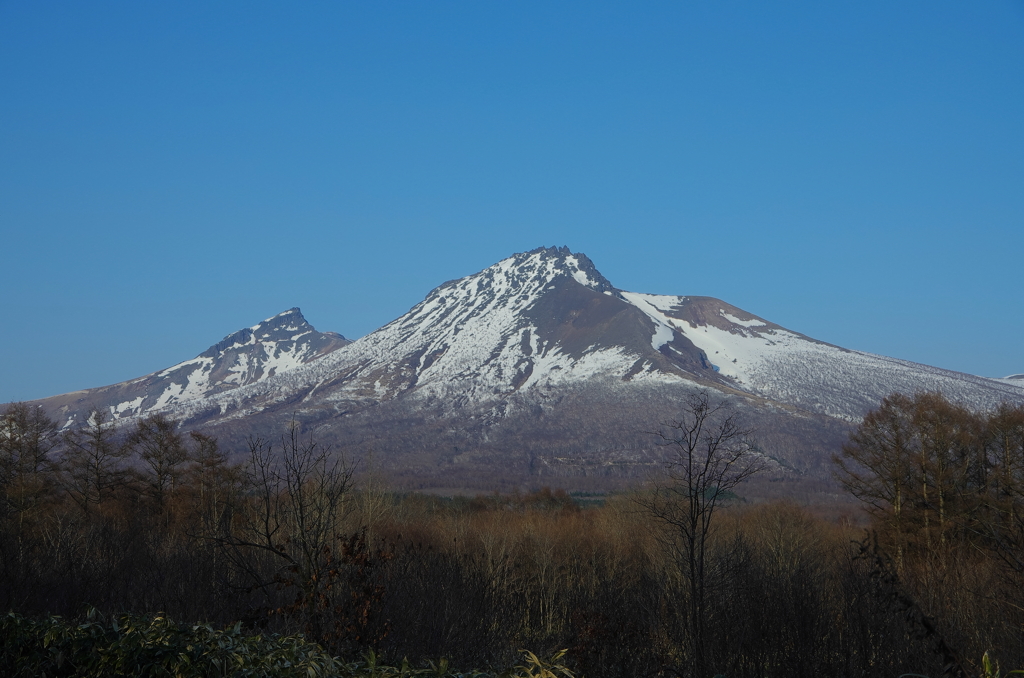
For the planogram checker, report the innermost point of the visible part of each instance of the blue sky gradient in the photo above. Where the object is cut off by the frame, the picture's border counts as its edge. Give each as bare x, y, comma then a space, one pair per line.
170, 173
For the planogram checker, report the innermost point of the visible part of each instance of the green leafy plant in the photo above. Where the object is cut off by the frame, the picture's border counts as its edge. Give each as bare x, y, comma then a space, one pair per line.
990, 669
156, 646
536, 667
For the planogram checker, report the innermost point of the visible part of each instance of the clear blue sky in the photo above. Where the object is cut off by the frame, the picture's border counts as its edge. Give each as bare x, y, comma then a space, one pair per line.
172, 172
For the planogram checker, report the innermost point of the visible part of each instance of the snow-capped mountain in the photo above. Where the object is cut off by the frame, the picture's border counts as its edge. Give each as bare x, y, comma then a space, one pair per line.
533, 321
247, 357
538, 354
546, 318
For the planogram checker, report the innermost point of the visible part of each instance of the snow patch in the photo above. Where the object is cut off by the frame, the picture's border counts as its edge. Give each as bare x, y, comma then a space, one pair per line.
662, 335
742, 323
662, 326
128, 406
581, 278
169, 395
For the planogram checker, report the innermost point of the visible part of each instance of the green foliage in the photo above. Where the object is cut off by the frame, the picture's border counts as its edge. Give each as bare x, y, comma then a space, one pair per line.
158, 647
541, 668
140, 646
990, 669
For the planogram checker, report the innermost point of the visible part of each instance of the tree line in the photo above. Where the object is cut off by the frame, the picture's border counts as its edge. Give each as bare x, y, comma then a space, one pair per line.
679, 577
937, 476
944, 486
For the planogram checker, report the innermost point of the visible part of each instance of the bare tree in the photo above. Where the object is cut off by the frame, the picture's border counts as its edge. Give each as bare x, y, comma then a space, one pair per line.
921, 466
1004, 445
93, 468
709, 457
27, 439
163, 455
877, 466
287, 534
212, 481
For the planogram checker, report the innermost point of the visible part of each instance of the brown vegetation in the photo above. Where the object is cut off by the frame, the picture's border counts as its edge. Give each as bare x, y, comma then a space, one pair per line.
292, 541
945, 489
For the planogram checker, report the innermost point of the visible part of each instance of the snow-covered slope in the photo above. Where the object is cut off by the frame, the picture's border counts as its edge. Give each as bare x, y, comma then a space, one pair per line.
537, 319
247, 357
527, 330
1013, 380
783, 366
547, 319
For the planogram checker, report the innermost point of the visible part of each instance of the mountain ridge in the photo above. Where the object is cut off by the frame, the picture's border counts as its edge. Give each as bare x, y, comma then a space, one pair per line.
239, 359
536, 352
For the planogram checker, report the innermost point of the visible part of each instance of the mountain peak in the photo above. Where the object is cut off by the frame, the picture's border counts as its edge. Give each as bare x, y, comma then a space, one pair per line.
250, 355
289, 323
293, 313
282, 330
553, 263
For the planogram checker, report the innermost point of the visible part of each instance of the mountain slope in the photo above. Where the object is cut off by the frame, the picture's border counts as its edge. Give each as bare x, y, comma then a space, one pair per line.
784, 366
535, 320
548, 318
537, 364
247, 357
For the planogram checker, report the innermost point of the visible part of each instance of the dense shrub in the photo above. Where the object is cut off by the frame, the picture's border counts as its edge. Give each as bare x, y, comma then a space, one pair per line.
154, 646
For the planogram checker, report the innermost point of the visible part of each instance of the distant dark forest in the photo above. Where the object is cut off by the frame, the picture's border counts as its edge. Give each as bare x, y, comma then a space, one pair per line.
677, 578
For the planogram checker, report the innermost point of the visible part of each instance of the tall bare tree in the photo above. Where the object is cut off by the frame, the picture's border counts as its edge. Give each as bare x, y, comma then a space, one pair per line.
28, 438
1004, 496
163, 454
877, 466
94, 462
709, 455
288, 534
212, 481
